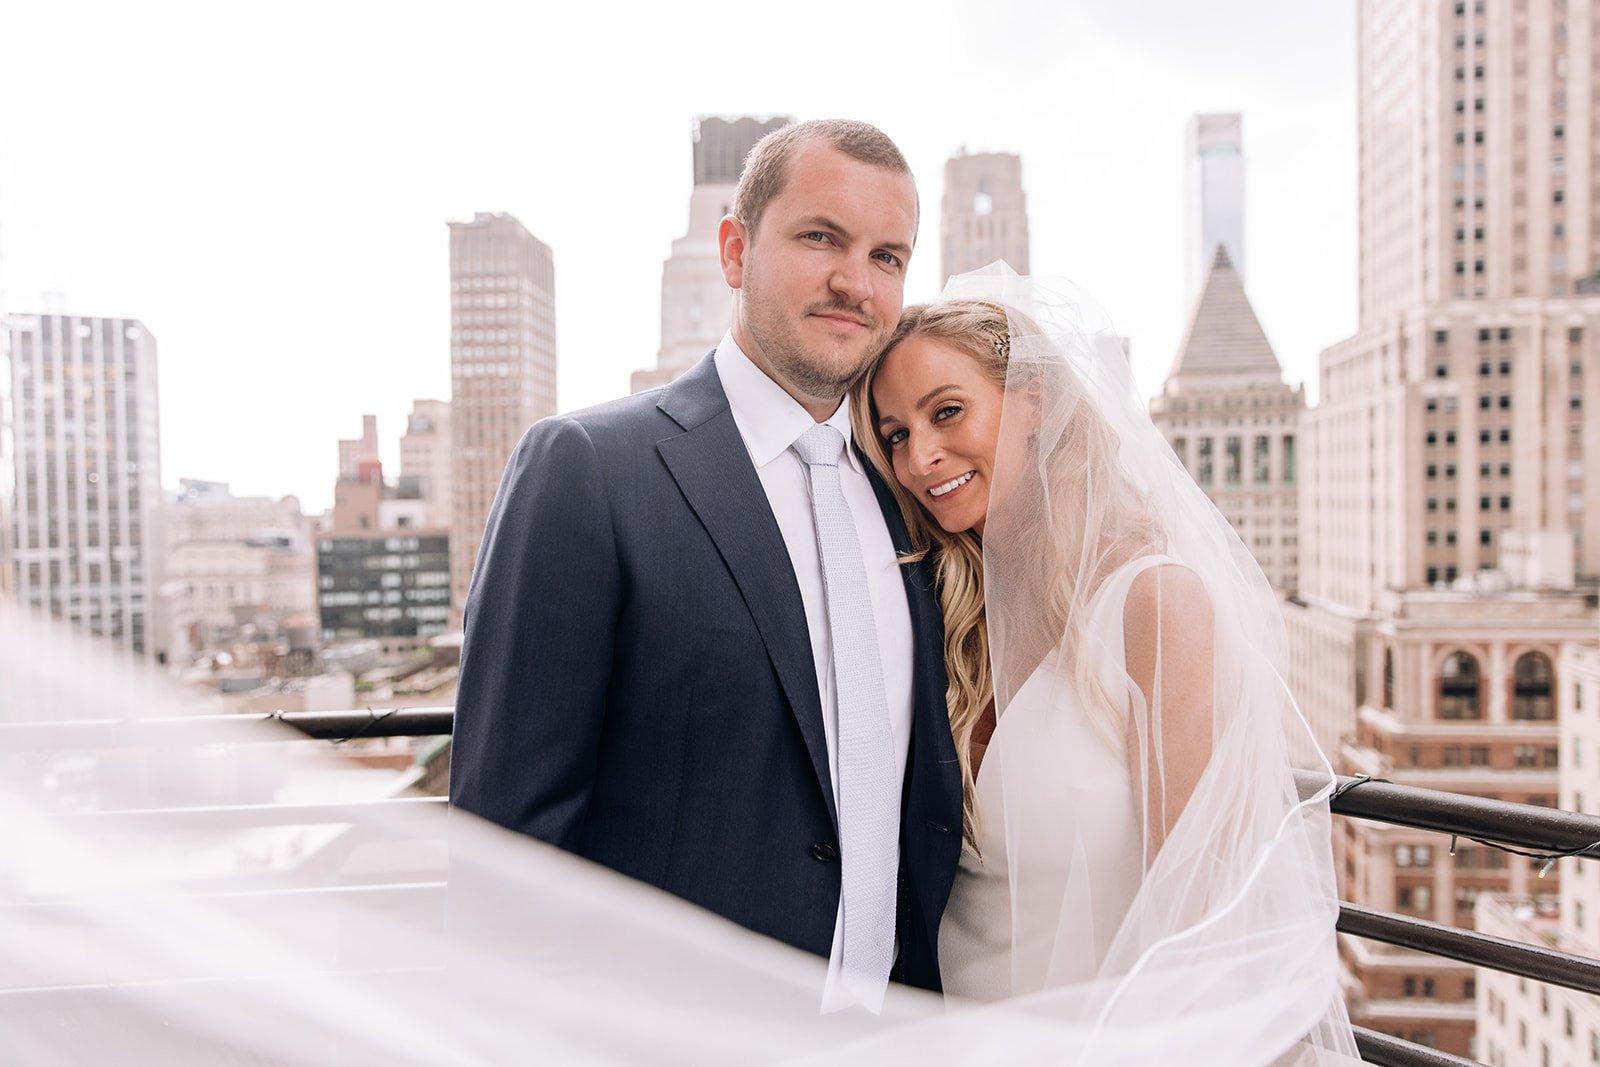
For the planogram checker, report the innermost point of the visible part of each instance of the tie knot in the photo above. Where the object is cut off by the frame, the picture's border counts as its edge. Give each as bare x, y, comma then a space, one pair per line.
820, 445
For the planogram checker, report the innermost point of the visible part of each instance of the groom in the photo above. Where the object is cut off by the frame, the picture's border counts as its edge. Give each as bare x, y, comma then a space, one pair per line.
673, 667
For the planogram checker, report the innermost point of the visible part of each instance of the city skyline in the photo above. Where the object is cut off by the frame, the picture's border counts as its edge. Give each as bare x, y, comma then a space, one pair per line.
285, 236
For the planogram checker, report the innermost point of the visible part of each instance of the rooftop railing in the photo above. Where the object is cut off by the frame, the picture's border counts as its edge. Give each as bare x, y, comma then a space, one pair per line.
1548, 833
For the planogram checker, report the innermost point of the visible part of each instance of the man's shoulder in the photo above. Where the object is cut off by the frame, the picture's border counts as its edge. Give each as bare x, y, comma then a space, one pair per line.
623, 416
650, 416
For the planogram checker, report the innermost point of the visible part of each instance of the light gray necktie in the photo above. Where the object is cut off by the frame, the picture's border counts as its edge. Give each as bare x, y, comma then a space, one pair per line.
869, 797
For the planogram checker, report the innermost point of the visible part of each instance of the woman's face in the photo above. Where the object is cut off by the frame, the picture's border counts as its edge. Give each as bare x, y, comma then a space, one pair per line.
939, 417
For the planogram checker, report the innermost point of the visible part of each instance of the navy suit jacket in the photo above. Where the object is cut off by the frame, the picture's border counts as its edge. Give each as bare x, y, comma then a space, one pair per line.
637, 683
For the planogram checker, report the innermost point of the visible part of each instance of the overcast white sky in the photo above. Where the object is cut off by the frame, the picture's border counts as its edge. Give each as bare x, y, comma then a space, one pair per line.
268, 189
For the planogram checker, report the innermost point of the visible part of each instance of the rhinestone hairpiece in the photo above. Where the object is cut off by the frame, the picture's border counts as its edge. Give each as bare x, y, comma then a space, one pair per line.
1002, 345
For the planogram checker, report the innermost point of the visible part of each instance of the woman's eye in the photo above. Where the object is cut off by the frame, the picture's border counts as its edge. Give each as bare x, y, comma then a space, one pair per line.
895, 438
946, 411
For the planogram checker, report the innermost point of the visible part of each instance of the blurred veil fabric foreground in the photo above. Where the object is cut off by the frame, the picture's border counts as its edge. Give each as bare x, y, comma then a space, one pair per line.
167, 896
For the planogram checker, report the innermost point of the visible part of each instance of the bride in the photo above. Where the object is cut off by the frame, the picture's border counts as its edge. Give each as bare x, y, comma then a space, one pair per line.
1135, 850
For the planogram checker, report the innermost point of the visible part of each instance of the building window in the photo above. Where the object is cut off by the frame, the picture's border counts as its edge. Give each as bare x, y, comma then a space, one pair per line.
1263, 460
1533, 681
1203, 473
1478, 755
1288, 459
1459, 687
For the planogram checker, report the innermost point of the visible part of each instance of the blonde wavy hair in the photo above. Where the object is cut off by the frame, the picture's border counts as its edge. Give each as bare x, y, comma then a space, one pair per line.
1062, 570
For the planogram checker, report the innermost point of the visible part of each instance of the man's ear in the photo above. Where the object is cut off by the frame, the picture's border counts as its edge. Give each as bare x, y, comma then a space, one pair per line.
733, 239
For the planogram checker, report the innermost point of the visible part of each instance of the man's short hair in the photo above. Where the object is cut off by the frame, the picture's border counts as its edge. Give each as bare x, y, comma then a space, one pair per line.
766, 168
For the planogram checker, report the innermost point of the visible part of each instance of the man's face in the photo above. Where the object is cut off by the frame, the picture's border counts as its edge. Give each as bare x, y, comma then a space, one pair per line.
821, 281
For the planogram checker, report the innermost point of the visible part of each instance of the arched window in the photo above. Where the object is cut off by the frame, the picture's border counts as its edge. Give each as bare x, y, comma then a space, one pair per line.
1459, 688
1532, 682
1388, 678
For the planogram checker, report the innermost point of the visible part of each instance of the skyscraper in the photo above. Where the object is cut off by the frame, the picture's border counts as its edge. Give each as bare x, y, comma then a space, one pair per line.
984, 213
1450, 540
502, 368
86, 463
358, 455
425, 458
695, 303
1213, 197
1233, 422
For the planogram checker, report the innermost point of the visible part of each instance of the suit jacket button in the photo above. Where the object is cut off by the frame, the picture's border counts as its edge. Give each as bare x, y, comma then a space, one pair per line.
824, 852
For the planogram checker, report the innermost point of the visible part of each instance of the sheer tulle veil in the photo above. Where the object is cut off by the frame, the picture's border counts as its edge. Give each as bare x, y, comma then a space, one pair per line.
186, 896
1100, 552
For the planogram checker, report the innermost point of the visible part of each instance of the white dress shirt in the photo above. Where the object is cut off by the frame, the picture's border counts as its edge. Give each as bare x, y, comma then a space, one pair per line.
769, 421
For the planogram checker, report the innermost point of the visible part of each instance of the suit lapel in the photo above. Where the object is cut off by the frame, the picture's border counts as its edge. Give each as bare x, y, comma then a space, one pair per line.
712, 467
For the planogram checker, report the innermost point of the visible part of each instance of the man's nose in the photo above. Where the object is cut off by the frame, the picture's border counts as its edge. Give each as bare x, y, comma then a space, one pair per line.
852, 280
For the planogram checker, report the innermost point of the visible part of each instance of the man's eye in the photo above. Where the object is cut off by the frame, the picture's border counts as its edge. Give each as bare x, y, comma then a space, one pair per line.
815, 237
894, 438
888, 259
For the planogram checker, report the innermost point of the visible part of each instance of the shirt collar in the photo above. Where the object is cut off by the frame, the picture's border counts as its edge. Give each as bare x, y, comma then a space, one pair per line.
769, 419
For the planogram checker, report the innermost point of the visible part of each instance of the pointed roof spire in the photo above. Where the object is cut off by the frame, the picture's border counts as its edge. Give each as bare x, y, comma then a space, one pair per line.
1224, 336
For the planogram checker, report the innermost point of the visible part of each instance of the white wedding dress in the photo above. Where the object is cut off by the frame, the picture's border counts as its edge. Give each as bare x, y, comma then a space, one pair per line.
1049, 763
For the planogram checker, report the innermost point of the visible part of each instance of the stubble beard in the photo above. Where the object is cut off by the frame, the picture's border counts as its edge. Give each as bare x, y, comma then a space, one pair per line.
820, 372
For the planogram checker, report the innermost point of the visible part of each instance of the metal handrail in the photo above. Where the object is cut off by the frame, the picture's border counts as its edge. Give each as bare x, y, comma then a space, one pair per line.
1469, 946
1548, 830
1385, 1050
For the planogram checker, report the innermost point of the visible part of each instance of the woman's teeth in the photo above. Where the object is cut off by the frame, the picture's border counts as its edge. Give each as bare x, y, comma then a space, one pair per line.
954, 483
